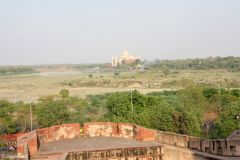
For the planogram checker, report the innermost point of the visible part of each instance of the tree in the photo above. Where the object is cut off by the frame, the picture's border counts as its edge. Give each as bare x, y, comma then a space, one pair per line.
52, 113
119, 107
64, 93
90, 76
138, 101
191, 106
7, 123
22, 116
189, 121
166, 72
227, 122
161, 117
208, 120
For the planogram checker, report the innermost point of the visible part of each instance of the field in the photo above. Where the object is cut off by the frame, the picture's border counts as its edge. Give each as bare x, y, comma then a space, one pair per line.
21, 87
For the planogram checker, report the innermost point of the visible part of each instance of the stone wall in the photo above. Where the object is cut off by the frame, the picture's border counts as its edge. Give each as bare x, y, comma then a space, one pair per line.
108, 129
126, 130
175, 139
10, 139
145, 134
60, 132
30, 141
135, 153
219, 146
225, 147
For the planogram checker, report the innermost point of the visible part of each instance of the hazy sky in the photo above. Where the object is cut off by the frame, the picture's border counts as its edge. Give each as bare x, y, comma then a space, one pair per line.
84, 31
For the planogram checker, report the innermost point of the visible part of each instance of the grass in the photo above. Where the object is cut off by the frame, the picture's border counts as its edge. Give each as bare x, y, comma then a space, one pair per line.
20, 87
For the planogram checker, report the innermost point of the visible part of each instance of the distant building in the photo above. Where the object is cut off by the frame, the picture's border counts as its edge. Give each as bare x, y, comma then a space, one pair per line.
124, 58
114, 61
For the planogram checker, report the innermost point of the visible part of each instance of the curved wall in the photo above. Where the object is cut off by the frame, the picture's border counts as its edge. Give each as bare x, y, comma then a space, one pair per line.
223, 147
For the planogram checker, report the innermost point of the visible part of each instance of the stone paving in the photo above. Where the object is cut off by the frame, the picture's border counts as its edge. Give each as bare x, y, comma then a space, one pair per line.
91, 144
58, 150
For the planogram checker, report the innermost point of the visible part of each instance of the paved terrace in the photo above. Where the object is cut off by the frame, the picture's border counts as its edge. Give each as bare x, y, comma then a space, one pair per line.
59, 149
67, 140
92, 144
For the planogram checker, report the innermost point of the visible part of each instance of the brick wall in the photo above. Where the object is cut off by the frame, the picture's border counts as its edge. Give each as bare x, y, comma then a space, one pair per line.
60, 132
144, 134
125, 130
45, 135
95, 129
30, 139
174, 139
10, 139
218, 146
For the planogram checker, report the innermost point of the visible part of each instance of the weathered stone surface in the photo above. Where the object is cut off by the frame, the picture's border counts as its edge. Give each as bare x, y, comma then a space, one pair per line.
60, 132
144, 134
126, 130
206, 146
29, 139
105, 129
93, 144
10, 139
175, 139
223, 147
234, 136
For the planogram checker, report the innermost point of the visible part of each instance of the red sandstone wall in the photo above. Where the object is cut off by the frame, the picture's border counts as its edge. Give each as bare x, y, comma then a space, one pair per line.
219, 147
60, 132
32, 142
109, 129
125, 130
173, 139
144, 134
10, 139
105, 129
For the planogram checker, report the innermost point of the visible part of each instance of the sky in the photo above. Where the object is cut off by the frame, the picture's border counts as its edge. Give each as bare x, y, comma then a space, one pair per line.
92, 31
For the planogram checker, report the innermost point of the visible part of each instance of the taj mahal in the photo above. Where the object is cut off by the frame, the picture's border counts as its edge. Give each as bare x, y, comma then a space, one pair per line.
124, 58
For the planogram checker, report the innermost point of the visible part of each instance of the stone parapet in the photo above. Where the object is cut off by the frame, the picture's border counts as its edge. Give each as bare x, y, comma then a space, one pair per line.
27, 144
222, 147
59, 132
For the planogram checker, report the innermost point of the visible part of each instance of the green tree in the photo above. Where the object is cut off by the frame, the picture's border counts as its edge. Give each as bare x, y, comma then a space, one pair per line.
52, 113
78, 110
189, 120
162, 117
191, 105
119, 107
64, 93
7, 123
90, 75
227, 122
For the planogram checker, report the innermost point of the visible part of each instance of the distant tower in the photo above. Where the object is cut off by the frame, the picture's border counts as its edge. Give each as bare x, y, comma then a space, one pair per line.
114, 61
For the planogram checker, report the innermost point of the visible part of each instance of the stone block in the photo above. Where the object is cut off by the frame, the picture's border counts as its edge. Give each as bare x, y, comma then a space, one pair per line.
126, 130
106, 129
144, 134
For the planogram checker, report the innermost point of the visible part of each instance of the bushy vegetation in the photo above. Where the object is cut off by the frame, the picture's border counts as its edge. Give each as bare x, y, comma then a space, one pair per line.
205, 112
12, 70
230, 63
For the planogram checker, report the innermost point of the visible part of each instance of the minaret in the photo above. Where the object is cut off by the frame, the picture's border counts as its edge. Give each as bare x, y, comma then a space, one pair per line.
116, 61
112, 61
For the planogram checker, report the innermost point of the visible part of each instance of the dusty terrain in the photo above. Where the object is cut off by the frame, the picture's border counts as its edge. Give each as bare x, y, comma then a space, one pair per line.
21, 87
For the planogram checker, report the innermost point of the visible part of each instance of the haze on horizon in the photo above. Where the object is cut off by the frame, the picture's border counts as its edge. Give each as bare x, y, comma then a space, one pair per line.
77, 31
